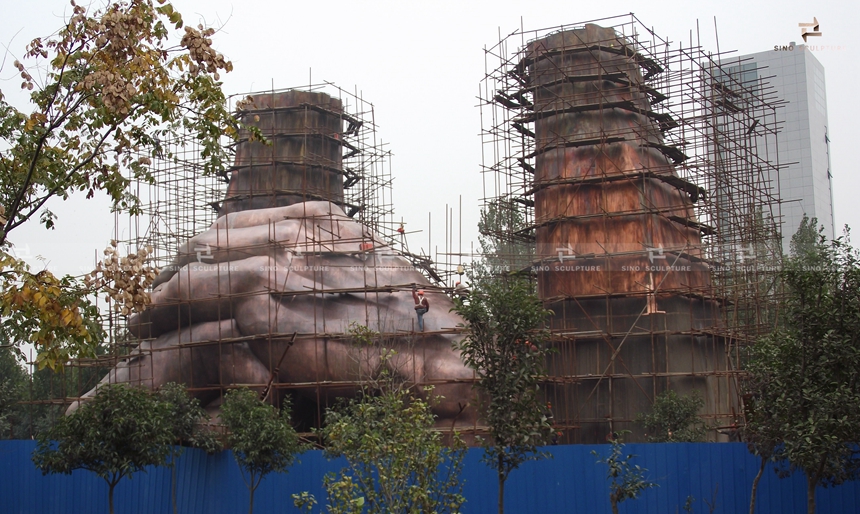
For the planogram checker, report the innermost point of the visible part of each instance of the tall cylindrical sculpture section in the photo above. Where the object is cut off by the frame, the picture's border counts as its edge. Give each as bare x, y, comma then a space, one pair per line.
618, 250
300, 159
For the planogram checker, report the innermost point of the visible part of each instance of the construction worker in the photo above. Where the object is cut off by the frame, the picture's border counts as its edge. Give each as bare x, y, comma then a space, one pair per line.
460, 290
421, 306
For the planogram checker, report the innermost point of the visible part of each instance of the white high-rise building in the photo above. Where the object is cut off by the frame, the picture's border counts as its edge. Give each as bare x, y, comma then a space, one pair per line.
804, 180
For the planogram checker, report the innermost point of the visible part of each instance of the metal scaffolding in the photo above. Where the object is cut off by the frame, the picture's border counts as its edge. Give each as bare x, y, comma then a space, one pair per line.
628, 177
183, 202
333, 260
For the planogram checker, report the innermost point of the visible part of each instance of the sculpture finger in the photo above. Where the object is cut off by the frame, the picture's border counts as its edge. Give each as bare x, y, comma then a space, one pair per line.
310, 227
200, 356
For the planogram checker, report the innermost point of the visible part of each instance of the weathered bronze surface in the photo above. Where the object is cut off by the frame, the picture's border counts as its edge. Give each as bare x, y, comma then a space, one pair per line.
277, 263
302, 158
619, 254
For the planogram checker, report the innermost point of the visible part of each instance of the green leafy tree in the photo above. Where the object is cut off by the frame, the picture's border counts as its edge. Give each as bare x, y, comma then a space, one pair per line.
184, 415
49, 386
55, 314
13, 389
506, 345
121, 431
807, 240
35, 407
262, 439
397, 461
627, 480
505, 242
344, 496
763, 438
761, 442
104, 90
761, 434
803, 395
674, 419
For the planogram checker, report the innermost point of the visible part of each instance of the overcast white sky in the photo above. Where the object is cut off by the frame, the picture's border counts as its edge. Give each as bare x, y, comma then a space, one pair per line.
420, 65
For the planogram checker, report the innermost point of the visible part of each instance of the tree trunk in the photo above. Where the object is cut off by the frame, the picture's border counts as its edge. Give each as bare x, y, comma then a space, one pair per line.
810, 494
501, 487
252, 488
173, 483
755, 484
614, 504
501, 494
110, 496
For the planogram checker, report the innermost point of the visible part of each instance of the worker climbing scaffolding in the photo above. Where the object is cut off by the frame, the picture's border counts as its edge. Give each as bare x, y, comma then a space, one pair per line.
422, 306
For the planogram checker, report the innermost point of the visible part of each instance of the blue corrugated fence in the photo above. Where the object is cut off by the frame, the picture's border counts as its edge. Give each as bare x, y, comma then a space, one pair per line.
571, 482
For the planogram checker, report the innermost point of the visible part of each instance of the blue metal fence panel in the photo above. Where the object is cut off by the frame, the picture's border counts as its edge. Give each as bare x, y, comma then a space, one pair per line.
571, 481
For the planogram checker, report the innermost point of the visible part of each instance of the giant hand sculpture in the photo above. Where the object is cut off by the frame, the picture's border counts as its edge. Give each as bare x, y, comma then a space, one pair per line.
225, 313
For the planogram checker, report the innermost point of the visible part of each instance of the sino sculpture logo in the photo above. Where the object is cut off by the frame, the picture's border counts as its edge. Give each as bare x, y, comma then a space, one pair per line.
804, 29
